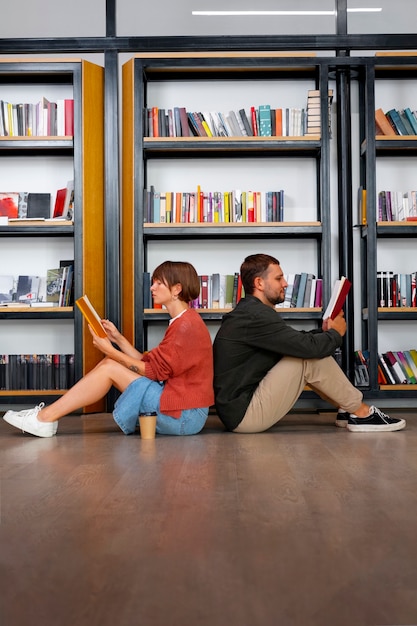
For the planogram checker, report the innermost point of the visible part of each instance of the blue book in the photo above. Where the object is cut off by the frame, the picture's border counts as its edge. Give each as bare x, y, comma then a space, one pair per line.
395, 118
265, 127
301, 290
412, 120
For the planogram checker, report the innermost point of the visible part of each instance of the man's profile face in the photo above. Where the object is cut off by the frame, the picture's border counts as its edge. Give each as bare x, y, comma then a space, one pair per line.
274, 285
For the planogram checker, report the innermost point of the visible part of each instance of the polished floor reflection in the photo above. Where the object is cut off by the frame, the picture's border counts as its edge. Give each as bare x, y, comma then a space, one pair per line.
305, 525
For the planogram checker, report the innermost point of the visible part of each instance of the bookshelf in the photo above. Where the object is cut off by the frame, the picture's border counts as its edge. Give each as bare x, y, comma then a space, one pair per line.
158, 79
386, 162
83, 156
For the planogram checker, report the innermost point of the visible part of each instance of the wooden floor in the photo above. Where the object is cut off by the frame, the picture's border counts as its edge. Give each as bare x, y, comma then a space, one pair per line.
305, 525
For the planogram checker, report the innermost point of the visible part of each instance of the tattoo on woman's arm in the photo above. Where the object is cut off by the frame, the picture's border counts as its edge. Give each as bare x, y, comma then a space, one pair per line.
134, 369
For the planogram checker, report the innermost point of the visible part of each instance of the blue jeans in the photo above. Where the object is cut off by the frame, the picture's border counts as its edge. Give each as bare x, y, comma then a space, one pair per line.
143, 396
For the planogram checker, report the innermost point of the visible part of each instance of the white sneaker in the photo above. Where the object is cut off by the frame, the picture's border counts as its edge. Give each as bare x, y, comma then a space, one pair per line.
27, 421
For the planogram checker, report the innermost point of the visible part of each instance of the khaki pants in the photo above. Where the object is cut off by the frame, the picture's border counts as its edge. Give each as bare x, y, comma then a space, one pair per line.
277, 393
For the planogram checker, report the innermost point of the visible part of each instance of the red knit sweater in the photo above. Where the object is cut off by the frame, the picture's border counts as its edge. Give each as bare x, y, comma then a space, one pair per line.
184, 362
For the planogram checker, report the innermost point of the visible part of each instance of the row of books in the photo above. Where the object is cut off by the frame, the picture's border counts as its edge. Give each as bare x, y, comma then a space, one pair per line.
262, 121
213, 206
54, 289
396, 122
394, 367
396, 290
223, 291
27, 205
397, 206
304, 291
40, 119
36, 371
313, 122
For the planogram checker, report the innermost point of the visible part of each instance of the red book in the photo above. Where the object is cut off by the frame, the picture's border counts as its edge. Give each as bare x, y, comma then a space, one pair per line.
319, 290
69, 117
250, 206
254, 121
337, 299
61, 194
155, 122
239, 289
204, 291
185, 132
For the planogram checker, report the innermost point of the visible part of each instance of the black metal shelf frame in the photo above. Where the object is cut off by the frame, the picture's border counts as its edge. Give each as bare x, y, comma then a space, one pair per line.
148, 69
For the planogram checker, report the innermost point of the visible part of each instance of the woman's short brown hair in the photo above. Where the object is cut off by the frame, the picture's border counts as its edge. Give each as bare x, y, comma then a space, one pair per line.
173, 272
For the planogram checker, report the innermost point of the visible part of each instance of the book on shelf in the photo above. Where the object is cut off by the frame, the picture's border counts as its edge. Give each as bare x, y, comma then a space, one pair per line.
411, 363
396, 369
68, 211
408, 372
382, 125
295, 288
245, 122
337, 298
7, 289
90, 315
412, 120
361, 369
301, 290
396, 122
59, 205
265, 129
362, 206
307, 291
39, 205
9, 203
288, 291
54, 281
388, 376
27, 289
406, 122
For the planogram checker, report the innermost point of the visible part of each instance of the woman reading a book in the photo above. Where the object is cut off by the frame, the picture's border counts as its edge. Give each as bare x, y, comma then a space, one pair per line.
174, 379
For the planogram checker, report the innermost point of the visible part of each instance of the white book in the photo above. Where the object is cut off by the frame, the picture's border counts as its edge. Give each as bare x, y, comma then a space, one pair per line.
222, 297
288, 292
313, 293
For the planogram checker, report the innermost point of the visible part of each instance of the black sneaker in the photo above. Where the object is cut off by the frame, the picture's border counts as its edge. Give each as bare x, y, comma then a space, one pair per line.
342, 419
376, 422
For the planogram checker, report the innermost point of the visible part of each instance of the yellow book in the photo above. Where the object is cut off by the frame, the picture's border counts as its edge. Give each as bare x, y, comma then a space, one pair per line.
91, 316
226, 206
206, 128
168, 207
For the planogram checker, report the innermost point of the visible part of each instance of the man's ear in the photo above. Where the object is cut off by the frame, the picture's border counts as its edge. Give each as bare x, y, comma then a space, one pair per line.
258, 283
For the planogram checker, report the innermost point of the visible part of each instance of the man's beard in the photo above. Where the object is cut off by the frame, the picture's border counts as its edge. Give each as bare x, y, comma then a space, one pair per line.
276, 300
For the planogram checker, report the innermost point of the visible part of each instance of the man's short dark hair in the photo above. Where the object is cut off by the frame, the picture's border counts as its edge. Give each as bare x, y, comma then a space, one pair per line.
253, 266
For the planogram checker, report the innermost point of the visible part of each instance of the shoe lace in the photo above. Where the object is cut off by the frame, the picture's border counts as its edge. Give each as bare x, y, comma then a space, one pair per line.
32, 412
381, 414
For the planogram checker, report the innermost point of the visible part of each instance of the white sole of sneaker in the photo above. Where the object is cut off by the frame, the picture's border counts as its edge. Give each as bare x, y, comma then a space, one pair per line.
17, 423
383, 428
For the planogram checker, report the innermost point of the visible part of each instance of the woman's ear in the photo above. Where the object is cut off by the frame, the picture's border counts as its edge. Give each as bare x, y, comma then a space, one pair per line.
176, 289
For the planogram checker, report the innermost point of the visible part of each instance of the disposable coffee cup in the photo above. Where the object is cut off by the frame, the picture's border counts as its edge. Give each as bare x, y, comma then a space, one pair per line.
147, 425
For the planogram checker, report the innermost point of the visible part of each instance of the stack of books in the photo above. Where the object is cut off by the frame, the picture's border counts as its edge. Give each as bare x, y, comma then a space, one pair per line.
314, 111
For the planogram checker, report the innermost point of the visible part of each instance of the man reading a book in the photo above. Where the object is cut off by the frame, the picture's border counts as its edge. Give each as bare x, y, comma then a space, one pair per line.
261, 364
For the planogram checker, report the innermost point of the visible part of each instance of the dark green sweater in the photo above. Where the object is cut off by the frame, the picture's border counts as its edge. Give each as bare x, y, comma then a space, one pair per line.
252, 338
